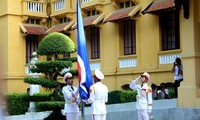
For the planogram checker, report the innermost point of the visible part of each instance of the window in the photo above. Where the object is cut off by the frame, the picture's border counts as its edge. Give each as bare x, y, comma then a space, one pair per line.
127, 3
92, 12
33, 21
129, 37
95, 43
64, 20
169, 22
31, 46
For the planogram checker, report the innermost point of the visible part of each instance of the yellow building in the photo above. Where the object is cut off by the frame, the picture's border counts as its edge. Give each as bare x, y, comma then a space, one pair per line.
124, 39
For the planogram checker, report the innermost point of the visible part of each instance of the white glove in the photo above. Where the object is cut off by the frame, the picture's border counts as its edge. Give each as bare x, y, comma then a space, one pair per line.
149, 111
78, 100
138, 79
85, 101
76, 92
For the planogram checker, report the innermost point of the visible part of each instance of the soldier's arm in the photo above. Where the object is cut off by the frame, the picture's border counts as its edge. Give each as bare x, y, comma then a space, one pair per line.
150, 101
92, 95
68, 95
133, 84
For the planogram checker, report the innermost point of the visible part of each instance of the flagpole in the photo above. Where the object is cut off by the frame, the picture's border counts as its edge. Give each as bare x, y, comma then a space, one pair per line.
82, 103
82, 111
84, 71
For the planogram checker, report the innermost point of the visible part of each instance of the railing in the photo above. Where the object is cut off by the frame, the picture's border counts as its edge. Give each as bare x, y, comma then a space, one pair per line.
95, 65
168, 59
35, 7
131, 62
84, 1
59, 5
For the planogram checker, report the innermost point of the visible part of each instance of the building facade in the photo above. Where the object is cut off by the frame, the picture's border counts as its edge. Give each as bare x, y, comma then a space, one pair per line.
124, 39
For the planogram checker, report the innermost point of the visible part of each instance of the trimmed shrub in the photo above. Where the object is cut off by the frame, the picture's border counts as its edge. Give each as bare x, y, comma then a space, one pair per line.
123, 96
172, 93
114, 97
56, 43
128, 96
49, 105
17, 103
45, 96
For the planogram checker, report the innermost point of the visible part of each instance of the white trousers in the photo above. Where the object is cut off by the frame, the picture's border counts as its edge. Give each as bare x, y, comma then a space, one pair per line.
72, 116
143, 115
99, 117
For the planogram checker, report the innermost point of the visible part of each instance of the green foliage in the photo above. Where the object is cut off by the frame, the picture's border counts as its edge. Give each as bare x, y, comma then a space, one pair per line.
123, 96
47, 83
51, 66
73, 59
114, 97
74, 72
52, 46
17, 103
39, 97
56, 43
128, 96
172, 93
49, 105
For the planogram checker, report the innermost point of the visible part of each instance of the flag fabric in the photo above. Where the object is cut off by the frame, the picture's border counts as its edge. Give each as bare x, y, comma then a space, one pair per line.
84, 72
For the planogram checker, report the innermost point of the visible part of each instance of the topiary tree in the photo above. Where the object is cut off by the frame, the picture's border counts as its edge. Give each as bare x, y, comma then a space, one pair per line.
53, 47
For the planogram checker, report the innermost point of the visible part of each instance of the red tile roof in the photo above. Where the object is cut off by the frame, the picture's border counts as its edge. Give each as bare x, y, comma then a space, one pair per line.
88, 21
119, 14
58, 28
158, 5
34, 29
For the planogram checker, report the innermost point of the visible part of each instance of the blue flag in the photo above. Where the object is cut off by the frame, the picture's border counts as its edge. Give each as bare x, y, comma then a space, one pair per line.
84, 72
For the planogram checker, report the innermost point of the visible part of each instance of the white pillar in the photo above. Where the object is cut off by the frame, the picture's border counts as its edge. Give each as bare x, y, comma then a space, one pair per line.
33, 89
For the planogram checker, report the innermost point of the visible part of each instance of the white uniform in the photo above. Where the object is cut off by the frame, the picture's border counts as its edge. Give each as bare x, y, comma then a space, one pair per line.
71, 102
144, 99
178, 78
98, 98
177, 75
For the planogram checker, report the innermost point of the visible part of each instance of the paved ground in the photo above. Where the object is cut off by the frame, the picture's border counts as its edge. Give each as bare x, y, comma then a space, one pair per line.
162, 110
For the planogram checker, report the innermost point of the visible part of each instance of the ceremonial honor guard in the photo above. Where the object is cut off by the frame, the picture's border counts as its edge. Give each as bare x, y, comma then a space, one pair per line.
71, 98
98, 97
144, 96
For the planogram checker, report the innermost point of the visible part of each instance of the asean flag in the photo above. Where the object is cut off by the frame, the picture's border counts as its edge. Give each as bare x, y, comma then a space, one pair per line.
84, 72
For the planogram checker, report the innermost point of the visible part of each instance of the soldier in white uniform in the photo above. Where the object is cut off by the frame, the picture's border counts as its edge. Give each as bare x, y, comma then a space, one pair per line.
144, 96
71, 98
98, 97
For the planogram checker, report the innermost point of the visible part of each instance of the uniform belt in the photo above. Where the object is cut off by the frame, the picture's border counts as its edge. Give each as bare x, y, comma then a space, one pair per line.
100, 101
138, 97
70, 101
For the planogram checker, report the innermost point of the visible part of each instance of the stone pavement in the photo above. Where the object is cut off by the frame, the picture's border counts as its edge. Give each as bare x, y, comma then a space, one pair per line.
162, 110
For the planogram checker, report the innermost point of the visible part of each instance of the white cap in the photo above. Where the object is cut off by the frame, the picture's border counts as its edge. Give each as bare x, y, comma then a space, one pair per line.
146, 75
99, 74
67, 75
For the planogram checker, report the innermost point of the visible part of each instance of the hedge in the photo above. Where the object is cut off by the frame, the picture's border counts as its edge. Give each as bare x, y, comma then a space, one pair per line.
123, 96
49, 105
17, 103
